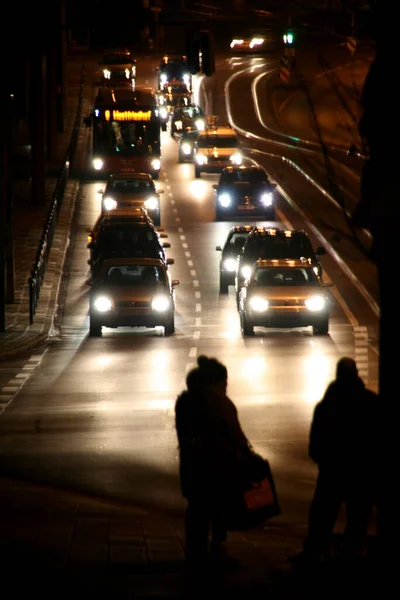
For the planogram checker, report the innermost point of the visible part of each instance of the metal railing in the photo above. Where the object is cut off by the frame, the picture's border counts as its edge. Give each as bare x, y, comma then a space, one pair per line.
46, 241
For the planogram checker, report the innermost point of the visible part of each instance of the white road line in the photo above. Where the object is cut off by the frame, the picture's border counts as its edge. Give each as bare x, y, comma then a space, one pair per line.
187, 254
197, 294
198, 322
193, 352
196, 335
198, 307
193, 273
190, 263
196, 283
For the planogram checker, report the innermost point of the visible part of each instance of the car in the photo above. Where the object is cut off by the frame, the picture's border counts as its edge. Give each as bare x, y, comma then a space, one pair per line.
129, 190
187, 145
283, 293
131, 215
173, 96
127, 239
245, 191
132, 292
229, 253
174, 67
118, 68
275, 243
184, 117
253, 42
217, 147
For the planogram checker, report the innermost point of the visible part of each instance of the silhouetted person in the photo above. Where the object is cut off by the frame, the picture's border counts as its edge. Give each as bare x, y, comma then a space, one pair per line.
210, 438
344, 442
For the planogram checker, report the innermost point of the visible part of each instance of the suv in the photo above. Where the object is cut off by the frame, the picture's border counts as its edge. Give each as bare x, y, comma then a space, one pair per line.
130, 190
187, 143
118, 68
184, 117
217, 147
269, 243
245, 191
126, 239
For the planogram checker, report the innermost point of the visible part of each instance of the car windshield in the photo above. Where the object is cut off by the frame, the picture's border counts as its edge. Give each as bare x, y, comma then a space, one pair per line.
116, 59
131, 186
244, 176
220, 141
237, 241
280, 246
289, 276
134, 275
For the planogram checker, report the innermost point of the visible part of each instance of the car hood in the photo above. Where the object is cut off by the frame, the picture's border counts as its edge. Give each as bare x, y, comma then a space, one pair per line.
244, 189
142, 293
297, 293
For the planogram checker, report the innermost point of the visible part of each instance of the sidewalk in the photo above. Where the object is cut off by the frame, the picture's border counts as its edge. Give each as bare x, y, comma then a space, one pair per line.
28, 223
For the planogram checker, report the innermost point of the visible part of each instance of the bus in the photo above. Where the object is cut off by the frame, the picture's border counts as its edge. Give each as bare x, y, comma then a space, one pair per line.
126, 132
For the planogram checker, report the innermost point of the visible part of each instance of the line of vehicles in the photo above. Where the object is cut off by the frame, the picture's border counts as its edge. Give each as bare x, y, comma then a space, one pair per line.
276, 272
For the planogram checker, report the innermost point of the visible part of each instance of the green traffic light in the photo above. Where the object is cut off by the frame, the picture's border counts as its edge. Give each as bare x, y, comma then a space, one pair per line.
288, 38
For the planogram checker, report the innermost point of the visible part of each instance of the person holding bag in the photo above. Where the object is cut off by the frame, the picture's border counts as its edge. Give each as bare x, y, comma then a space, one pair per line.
211, 440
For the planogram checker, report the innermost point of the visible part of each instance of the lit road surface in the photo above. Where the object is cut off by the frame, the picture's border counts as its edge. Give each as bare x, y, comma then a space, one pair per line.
97, 415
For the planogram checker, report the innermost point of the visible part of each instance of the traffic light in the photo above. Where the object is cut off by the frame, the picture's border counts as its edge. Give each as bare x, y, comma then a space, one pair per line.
288, 38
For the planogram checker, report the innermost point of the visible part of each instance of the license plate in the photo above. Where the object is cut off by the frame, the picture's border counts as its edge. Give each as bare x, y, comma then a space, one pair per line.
132, 311
246, 207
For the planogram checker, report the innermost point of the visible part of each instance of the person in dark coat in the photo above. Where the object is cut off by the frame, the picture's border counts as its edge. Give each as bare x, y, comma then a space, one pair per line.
343, 443
210, 441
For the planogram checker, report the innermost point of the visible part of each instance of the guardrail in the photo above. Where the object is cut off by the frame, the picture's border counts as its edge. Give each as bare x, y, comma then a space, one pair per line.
46, 241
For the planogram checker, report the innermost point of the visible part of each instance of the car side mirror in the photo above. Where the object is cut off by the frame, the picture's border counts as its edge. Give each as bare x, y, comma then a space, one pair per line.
163, 235
175, 282
88, 121
214, 186
320, 250
100, 191
90, 246
327, 284
170, 261
159, 191
166, 245
89, 262
88, 230
218, 248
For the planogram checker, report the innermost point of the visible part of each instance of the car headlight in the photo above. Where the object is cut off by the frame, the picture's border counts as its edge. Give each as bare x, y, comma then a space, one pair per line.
160, 303
316, 303
102, 304
225, 200
151, 203
98, 164
156, 164
246, 271
133, 71
316, 270
258, 304
107, 74
186, 79
163, 113
201, 159
109, 203
256, 42
267, 199
163, 79
199, 124
236, 43
186, 148
178, 125
236, 158
127, 73
230, 264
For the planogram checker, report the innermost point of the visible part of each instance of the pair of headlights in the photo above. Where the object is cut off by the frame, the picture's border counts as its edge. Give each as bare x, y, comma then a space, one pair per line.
105, 304
314, 304
151, 203
226, 200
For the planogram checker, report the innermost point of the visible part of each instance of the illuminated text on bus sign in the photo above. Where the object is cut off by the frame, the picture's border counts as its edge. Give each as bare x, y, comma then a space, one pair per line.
127, 115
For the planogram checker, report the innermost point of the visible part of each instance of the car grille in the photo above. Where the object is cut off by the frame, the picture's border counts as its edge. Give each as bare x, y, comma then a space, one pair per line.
131, 304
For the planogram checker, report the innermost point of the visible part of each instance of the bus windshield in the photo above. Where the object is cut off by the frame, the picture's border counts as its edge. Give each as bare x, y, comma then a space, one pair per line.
126, 138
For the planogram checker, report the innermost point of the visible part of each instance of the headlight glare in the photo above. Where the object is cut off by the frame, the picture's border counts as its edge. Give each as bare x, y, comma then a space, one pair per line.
258, 304
246, 271
230, 264
160, 303
98, 164
109, 203
316, 303
225, 200
156, 164
151, 203
266, 199
102, 304
236, 158
186, 148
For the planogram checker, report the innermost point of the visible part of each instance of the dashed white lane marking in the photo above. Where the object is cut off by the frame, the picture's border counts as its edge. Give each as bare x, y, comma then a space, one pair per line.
182, 237
172, 201
184, 245
196, 335
193, 352
196, 283
198, 307
175, 210
177, 220
193, 273
361, 351
190, 263
197, 294
180, 229
8, 392
187, 254
198, 322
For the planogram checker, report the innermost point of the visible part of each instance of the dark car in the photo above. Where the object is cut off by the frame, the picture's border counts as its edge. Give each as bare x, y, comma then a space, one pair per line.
187, 145
126, 239
271, 243
184, 117
132, 292
174, 67
130, 190
244, 191
230, 251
